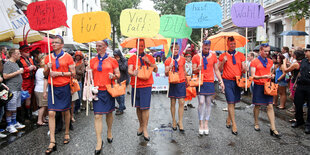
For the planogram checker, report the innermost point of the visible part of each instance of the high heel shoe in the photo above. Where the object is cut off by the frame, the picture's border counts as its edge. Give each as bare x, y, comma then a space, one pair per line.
139, 133
234, 133
272, 133
256, 129
99, 151
228, 126
146, 138
50, 150
67, 140
110, 140
181, 130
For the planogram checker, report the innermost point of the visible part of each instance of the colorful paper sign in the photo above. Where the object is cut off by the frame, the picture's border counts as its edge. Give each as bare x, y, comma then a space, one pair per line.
247, 14
139, 23
174, 26
91, 26
203, 14
47, 15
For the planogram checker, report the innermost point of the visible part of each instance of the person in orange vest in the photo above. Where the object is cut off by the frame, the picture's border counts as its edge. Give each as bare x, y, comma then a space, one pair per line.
27, 64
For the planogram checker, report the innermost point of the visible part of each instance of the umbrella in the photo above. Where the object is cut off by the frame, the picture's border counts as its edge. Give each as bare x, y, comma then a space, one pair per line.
160, 53
272, 48
219, 41
133, 50
294, 33
157, 47
149, 42
241, 49
42, 45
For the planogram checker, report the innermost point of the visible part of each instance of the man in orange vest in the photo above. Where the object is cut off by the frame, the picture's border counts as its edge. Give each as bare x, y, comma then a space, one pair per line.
27, 64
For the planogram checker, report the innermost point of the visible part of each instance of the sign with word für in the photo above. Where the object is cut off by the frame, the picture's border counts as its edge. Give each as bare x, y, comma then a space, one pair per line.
247, 15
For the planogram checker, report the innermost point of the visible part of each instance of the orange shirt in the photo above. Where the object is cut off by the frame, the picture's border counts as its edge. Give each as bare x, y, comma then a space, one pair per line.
181, 65
101, 79
260, 70
230, 71
208, 74
140, 83
64, 62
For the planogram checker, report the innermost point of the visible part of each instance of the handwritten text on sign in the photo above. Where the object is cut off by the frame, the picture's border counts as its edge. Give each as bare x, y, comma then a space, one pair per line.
139, 23
247, 15
174, 26
47, 15
203, 14
92, 26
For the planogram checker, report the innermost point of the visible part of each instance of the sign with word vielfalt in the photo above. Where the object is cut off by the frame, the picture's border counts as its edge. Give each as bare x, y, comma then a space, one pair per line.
174, 26
91, 26
203, 14
47, 15
247, 15
139, 23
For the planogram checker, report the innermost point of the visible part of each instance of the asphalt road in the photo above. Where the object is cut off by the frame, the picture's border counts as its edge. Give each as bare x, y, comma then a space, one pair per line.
35, 140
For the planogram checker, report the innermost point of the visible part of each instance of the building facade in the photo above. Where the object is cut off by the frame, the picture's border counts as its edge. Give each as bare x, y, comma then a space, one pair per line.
276, 21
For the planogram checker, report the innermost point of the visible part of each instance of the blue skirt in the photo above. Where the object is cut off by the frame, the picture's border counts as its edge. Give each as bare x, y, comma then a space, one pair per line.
259, 98
62, 98
177, 90
206, 89
143, 98
232, 91
105, 103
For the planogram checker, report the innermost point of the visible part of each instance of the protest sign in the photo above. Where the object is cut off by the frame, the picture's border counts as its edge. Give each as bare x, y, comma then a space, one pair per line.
139, 23
203, 14
174, 26
91, 26
247, 15
47, 15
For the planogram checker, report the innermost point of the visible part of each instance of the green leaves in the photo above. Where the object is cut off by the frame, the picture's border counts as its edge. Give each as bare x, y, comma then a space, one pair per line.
299, 9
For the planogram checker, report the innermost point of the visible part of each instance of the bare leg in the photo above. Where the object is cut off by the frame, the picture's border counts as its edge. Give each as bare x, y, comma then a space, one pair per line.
282, 92
51, 125
40, 116
275, 100
98, 129
231, 112
181, 111
172, 109
256, 114
145, 120
139, 114
67, 123
270, 114
109, 120
72, 111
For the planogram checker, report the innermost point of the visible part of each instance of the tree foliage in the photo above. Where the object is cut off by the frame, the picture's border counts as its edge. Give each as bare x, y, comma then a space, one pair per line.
299, 9
114, 8
177, 7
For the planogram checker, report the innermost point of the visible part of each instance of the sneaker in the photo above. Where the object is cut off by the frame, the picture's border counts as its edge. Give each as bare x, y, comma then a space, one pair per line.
206, 132
11, 129
19, 126
2, 135
201, 132
36, 113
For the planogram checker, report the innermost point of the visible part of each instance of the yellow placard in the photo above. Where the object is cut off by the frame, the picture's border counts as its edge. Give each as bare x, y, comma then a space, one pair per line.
91, 26
139, 23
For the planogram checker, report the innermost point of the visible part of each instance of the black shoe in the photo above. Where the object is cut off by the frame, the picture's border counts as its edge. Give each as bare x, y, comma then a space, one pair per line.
71, 126
50, 150
185, 107
174, 128
190, 105
228, 126
118, 112
99, 151
110, 140
274, 135
181, 130
297, 124
256, 129
146, 138
234, 133
307, 130
139, 133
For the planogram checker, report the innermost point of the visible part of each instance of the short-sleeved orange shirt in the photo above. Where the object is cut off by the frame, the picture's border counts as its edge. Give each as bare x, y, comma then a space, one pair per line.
260, 70
101, 79
208, 74
64, 62
230, 70
140, 83
181, 65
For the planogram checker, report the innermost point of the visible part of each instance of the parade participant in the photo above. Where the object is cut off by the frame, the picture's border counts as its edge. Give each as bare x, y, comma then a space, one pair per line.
104, 69
208, 67
143, 88
28, 76
13, 80
60, 69
177, 90
303, 92
123, 68
189, 72
232, 63
80, 70
261, 73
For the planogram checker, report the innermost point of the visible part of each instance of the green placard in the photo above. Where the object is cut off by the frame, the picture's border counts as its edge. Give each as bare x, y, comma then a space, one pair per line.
174, 26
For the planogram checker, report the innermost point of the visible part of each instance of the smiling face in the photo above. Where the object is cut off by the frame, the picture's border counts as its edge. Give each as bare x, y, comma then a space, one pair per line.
176, 49
101, 47
141, 46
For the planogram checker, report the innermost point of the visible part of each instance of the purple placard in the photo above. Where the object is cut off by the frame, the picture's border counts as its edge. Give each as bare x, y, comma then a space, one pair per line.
247, 14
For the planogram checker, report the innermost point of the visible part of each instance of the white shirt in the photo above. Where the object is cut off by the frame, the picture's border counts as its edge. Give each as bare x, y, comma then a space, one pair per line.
39, 81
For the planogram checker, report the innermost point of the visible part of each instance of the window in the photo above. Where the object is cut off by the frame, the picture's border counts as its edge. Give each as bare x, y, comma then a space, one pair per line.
83, 5
75, 4
91, 9
86, 7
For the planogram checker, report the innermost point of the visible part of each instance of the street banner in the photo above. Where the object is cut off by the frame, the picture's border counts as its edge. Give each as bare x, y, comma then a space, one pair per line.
91, 26
139, 23
203, 14
247, 15
47, 15
174, 26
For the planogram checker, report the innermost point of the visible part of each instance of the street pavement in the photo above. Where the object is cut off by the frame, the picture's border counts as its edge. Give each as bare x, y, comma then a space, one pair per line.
34, 140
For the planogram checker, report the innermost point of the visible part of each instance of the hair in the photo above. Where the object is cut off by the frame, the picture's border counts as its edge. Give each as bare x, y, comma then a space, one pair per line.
60, 38
252, 54
286, 48
41, 58
281, 57
139, 40
229, 39
158, 57
299, 54
274, 56
2, 47
12, 51
175, 44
